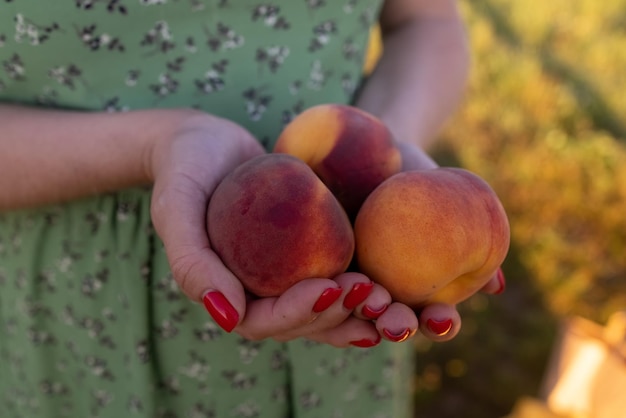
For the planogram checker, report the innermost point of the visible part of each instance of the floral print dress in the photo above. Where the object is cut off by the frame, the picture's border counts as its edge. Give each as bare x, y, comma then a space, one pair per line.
91, 322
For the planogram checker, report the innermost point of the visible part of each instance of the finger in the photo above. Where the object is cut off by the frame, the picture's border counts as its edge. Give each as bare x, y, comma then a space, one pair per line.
374, 305
186, 170
351, 332
356, 289
496, 285
440, 322
398, 323
299, 306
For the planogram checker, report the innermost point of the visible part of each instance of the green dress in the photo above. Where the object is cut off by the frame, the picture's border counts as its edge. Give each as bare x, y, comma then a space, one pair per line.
91, 322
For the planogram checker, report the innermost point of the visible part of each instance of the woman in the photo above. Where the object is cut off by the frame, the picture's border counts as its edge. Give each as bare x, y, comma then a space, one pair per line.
118, 120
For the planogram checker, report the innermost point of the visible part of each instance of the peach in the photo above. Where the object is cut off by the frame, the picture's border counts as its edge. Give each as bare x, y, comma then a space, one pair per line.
273, 223
431, 236
351, 150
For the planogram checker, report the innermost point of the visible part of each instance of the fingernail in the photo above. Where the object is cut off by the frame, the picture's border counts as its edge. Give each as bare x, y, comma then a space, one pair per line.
501, 282
328, 297
371, 313
221, 310
399, 337
365, 342
357, 294
439, 328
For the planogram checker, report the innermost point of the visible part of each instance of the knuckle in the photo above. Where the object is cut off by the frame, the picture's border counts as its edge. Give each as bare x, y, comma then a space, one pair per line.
252, 335
183, 268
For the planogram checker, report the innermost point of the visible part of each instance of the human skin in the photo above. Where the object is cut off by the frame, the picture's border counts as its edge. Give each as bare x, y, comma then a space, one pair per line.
414, 89
52, 156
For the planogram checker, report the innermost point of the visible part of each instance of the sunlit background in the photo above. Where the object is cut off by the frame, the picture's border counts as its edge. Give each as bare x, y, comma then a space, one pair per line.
544, 122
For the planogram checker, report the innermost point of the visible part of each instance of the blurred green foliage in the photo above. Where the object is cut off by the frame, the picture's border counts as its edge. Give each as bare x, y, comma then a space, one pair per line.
544, 122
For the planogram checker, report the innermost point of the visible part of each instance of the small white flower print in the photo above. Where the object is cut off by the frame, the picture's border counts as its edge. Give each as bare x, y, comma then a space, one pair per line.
239, 380
102, 397
247, 410
28, 31
348, 84
132, 77
273, 56
65, 75
165, 86
256, 103
317, 76
348, 8
152, 2
160, 36
270, 15
53, 388
208, 332
167, 329
315, 4
310, 399
322, 35
213, 78
14, 67
224, 38
196, 370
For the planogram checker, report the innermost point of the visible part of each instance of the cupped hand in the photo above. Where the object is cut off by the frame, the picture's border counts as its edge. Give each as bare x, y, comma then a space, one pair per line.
186, 169
339, 312
437, 321
321, 310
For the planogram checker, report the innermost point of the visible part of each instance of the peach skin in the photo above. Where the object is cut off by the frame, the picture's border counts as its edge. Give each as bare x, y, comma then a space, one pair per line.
273, 223
351, 150
431, 236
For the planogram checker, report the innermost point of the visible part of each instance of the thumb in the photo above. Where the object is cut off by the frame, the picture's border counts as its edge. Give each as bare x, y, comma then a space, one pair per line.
203, 277
178, 214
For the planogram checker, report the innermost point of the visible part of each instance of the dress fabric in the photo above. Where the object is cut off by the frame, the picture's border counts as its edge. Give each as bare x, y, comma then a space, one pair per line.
91, 322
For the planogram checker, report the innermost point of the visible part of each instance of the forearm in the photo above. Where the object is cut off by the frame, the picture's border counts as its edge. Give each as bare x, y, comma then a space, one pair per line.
51, 156
420, 78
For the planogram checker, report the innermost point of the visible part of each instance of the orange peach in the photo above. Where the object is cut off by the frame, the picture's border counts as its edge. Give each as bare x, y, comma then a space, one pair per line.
432, 236
273, 223
351, 150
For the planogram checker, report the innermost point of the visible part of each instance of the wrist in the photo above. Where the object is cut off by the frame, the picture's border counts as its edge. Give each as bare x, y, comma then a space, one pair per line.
175, 123
414, 157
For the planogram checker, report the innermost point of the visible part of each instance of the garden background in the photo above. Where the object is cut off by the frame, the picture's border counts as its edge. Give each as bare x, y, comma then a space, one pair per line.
544, 122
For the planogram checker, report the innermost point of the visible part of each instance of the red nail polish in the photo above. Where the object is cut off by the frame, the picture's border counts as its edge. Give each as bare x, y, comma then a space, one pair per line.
365, 342
501, 282
328, 297
439, 328
402, 336
357, 294
221, 310
373, 313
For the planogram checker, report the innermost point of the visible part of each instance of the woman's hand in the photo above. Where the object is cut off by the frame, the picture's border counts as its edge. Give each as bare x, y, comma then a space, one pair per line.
440, 322
186, 169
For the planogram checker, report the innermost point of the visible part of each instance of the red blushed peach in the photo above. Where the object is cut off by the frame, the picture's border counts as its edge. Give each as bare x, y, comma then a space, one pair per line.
351, 150
273, 223
431, 236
